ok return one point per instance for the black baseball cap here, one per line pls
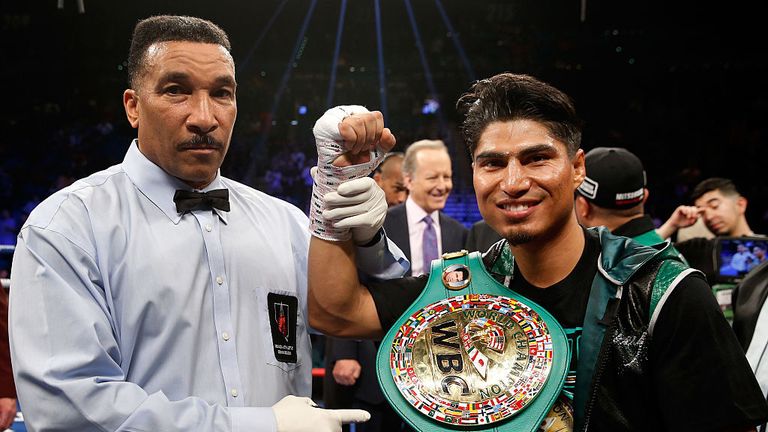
(615, 178)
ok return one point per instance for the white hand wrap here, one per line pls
(330, 146)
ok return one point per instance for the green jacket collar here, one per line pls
(621, 257)
(619, 260)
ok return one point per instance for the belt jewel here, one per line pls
(470, 354)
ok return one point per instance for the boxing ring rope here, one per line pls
(6, 249)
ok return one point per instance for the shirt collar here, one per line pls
(158, 186)
(635, 227)
(415, 213)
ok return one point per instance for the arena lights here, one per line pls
(456, 42)
(380, 58)
(336, 49)
(263, 33)
(251, 172)
(425, 66)
(80, 5)
(430, 106)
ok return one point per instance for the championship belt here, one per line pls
(471, 354)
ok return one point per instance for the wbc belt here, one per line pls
(471, 354)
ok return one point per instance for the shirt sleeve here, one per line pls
(700, 254)
(382, 260)
(701, 378)
(66, 352)
(340, 349)
(392, 297)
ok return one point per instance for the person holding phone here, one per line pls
(723, 209)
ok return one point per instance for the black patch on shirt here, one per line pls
(283, 310)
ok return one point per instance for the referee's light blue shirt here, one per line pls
(128, 316)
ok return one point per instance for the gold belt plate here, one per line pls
(471, 360)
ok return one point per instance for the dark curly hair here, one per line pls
(165, 28)
(506, 97)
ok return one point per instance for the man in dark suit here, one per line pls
(389, 176)
(481, 237)
(350, 382)
(419, 226)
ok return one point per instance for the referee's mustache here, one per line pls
(201, 142)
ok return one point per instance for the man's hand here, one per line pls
(300, 414)
(685, 216)
(363, 133)
(346, 371)
(7, 412)
(682, 217)
(351, 141)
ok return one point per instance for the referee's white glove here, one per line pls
(359, 205)
(300, 414)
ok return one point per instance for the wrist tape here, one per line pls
(329, 147)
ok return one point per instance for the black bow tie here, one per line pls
(190, 200)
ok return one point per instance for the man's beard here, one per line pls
(516, 239)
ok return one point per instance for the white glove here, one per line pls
(330, 146)
(359, 205)
(299, 414)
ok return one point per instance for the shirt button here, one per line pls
(219, 280)
(225, 336)
(233, 392)
(208, 228)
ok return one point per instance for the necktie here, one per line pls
(190, 200)
(429, 243)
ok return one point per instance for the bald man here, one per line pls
(389, 177)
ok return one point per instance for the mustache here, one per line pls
(201, 141)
